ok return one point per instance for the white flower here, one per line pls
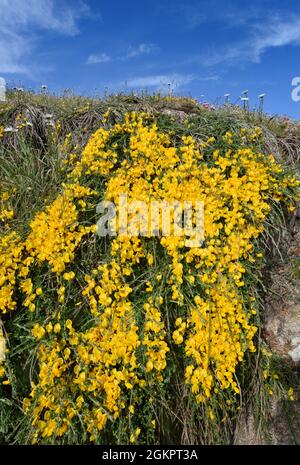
(10, 129)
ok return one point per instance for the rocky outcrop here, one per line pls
(180, 114)
(281, 331)
(281, 328)
(282, 428)
(247, 431)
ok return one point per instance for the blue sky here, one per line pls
(209, 47)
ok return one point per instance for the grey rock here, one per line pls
(282, 329)
(282, 428)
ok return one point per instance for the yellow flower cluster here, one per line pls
(11, 249)
(95, 159)
(215, 343)
(178, 334)
(236, 189)
(6, 212)
(154, 339)
(55, 232)
(103, 358)
(94, 374)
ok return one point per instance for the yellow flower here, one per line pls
(38, 331)
(135, 435)
(291, 393)
(131, 409)
(49, 328)
(57, 328)
(69, 276)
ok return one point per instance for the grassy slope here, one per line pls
(31, 167)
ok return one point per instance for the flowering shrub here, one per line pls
(111, 319)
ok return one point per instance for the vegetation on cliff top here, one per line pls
(136, 339)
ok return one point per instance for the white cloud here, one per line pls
(21, 20)
(162, 80)
(141, 49)
(277, 32)
(191, 15)
(98, 58)
(45, 14)
(132, 52)
(12, 50)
